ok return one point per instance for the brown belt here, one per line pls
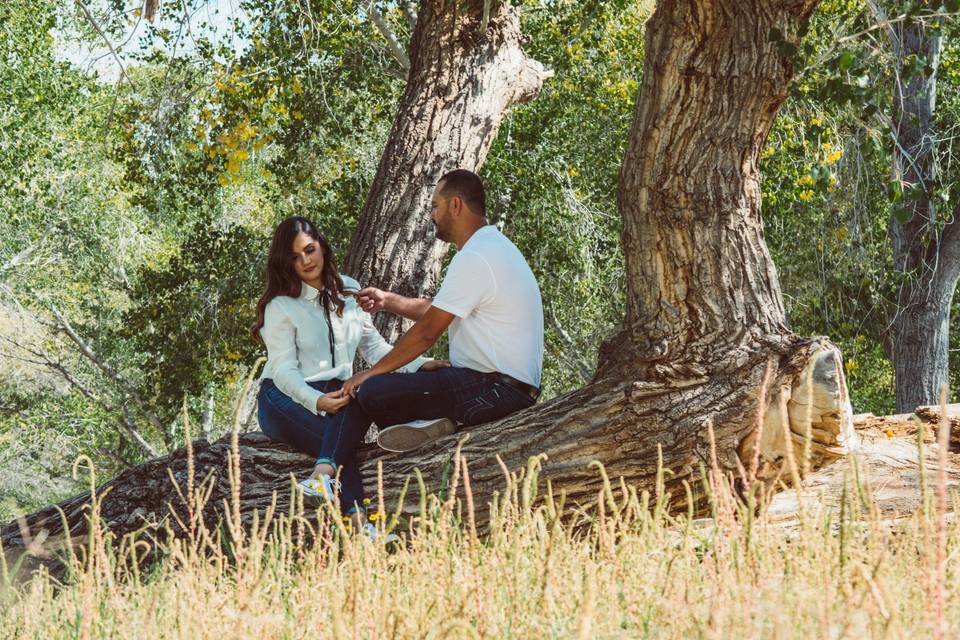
(528, 389)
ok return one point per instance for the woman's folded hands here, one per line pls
(332, 402)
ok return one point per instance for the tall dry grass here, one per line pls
(622, 567)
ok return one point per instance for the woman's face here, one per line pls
(307, 258)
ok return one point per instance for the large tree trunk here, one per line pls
(464, 76)
(925, 252)
(705, 345)
(705, 340)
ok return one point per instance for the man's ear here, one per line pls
(456, 205)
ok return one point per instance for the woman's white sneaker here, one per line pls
(316, 490)
(378, 537)
(408, 436)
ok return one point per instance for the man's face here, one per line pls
(441, 215)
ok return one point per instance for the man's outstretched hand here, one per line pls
(353, 383)
(349, 388)
(371, 299)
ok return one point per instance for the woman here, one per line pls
(312, 329)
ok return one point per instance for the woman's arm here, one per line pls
(280, 336)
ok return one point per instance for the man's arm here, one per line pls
(372, 300)
(420, 337)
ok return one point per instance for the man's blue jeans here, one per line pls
(332, 437)
(465, 395)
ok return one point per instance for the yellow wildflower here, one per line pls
(806, 195)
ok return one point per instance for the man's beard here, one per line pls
(440, 233)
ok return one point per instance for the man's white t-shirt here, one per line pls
(499, 323)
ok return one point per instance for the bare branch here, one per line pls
(582, 368)
(44, 359)
(486, 16)
(110, 372)
(410, 14)
(393, 45)
(113, 51)
(150, 9)
(20, 257)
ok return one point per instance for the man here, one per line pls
(491, 303)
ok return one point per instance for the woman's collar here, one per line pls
(308, 292)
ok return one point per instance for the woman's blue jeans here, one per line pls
(331, 437)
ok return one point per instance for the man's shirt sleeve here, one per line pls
(468, 284)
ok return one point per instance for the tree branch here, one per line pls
(113, 52)
(43, 359)
(393, 45)
(110, 372)
(410, 14)
(582, 368)
(20, 257)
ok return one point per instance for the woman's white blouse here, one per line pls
(298, 344)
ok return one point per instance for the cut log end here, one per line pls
(807, 419)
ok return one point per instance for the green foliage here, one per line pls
(189, 318)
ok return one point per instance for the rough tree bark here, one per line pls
(705, 344)
(926, 244)
(705, 339)
(464, 76)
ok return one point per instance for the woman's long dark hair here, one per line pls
(282, 280)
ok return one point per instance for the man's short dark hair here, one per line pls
(467, 186)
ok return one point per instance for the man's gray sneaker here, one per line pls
(408, 436)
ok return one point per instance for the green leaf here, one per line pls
(901, 214)
(846, 60)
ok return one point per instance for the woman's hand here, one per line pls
(333, 401)
(433, 365)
